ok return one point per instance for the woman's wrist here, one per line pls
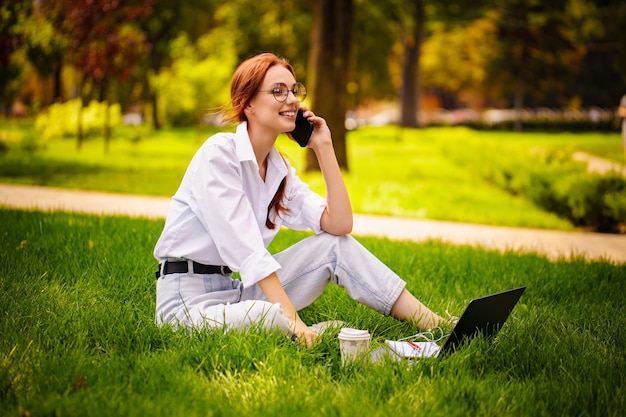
(322, 147)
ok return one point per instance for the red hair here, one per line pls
(245, 84)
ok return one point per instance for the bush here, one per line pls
(555, 182)
(565, 188)
(198, 81)
(61, 119)
(598, 202)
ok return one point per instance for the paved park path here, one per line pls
(599, 165)
(552, 244)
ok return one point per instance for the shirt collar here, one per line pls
(246, 153)
(244, 146)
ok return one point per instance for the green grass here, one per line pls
(77, 335)
(153, 166)
(399, 172)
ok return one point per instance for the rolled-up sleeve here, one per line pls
(220, 203)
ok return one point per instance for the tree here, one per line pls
(12, 16)
(412, 35)
(409, 23)
(375, 35)
(104, 41)
(329, 66)
(197, 81)
(45, 49)
(537, 50)
(455, 57)
(600, 79)
(168, 19)
(278, 26)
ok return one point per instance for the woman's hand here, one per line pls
(275, 293)
(321, 135)
(303, 333)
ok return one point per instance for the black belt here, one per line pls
(182, 267)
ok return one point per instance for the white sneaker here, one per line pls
(452, 319)
(322, 326)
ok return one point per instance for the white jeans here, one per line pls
(307, 268)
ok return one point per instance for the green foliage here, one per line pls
(12, 16)
(77, 300)
(283, 28)
(551, 179)
(565, 187)
(46, 47)
(536, 49)
(373, 73)
(12, 77)
(62, 119)
(470, 47)
(598, 202)
(197, 83)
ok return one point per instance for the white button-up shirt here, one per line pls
(217, 216)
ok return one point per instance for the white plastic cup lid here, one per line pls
(348, 333)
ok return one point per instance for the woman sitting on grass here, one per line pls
(236, 194)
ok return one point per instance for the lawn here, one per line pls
(432, 173)
(77, 304)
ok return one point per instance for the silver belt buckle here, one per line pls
(222, 271)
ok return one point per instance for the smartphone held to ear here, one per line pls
(303, 130)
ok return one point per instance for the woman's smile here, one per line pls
(288, 113)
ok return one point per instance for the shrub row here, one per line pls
(62, 119)
(555, 182)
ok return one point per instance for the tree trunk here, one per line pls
(155, 111)
(79, 126)
(57, 81)
(107, 126)
(107, 116)
(79, 117)
(329, 64)
(409, 93)
(154, 99)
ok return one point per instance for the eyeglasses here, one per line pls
(281, 91)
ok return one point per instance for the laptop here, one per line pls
(484, 315)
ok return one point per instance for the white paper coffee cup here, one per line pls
(353, 343)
